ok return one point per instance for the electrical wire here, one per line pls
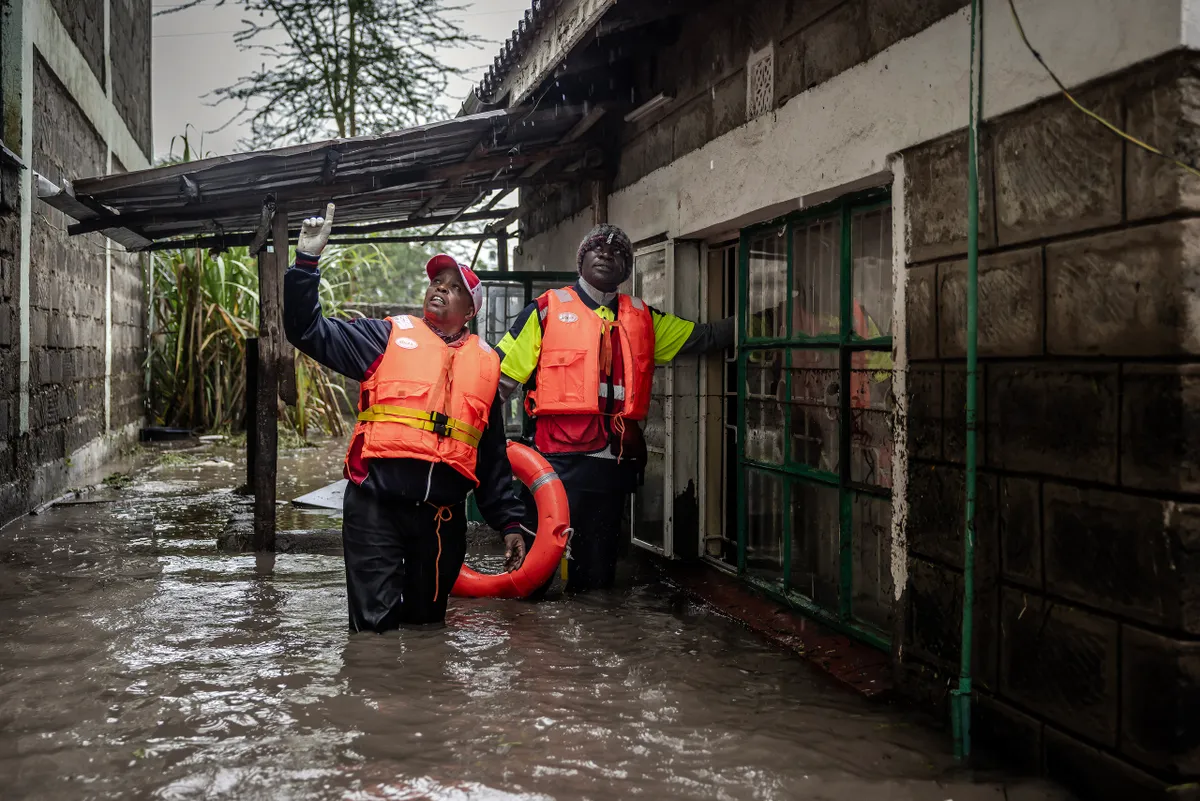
(1149, 148)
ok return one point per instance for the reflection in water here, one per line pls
(137, 662)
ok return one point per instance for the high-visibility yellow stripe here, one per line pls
(423, 421)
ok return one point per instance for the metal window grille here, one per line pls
(760, 82)
(815, 400)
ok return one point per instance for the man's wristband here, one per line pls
(306, 259)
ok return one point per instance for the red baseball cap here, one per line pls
(442, 262)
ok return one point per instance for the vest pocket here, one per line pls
(480, 410)
(563, 375)
(403, 392)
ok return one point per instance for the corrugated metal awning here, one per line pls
(420, 176)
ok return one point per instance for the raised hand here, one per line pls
(314, 233)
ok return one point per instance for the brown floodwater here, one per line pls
(136, 661)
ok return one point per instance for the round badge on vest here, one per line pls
(568, 317)
(406, 343)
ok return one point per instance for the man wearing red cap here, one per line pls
(429, 431)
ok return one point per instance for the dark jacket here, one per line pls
(355, 349)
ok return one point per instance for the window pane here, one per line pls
(767, 277)
(648, 502)
(654, 427)
(871, 252)
(764, 525)
(764, 406)
(502, 302)
(872, 561)
(814, 412)
(817, 271)
(816, 539)
(871, 404)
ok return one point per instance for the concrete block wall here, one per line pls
(704, 69)
(86, 307)
(67, 284)
(131, 67)
(1087, 625)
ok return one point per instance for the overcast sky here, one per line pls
(194, 53)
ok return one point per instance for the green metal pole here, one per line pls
(961, 702)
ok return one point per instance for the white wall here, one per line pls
(558, 250)
(844, 131)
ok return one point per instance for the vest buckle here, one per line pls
(441, 424)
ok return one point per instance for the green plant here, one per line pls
(206, 307)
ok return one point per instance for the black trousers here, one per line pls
(400, 563)
(596, 543)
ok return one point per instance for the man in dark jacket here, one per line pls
(404, 518)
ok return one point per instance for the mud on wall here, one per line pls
(1087, 626)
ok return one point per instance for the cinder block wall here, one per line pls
(1087, 649)
(85, 383)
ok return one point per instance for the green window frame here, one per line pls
(814, 479)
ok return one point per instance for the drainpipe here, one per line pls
(961, 697)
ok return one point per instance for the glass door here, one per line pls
(652, 282)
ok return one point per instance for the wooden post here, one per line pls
(266, 409)
(284, 355)
(599, 202)
(502, 251)
(250, 422)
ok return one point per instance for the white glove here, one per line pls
(314, 233)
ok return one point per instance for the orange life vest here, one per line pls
(427, 400)
(575, 339)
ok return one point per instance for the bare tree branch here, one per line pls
(345, 67)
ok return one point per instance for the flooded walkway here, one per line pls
(138, 662)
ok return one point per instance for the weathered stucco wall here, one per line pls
(1087, 621)
(843, 130)
(556, 252)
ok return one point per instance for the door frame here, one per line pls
(667, 549)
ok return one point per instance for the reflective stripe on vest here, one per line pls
(439, 424)
(568, 374)
(427, 400)
(618, 391)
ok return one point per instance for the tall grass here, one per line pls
(205, 306)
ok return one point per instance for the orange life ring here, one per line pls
(554, 529)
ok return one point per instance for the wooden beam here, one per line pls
(243, 206)
(400, 225)
(502, 251)
(285, 356)
(237, 240)
(263, 230)
(266, 408)
(582, 127)
(413, 239)
(429, 205)
(599, 202)
(250, 421)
